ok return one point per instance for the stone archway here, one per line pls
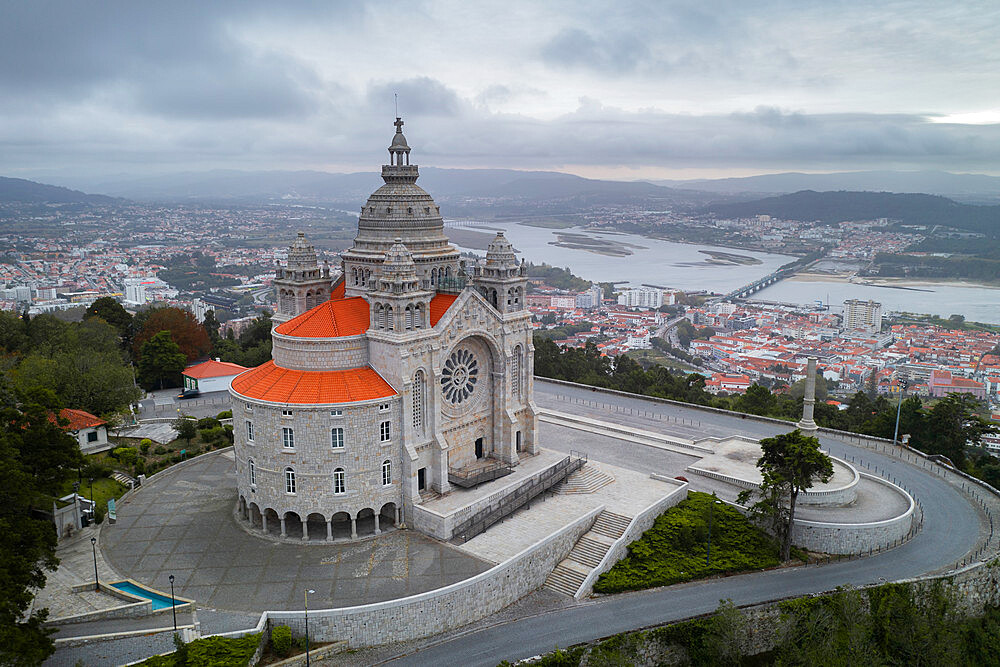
(315, 527)
(253, 515)
(271, 522)
(387, 516)
(292, 526)
(340, 525)
(366, 522)
(468, 386)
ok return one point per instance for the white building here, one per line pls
(864, 315)
(211, 375)
(641, 297)
(135, 291)
(591, 298)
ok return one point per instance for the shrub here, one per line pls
(145, 444)
(227, 431)
(208, 422)
(98, 515)
(281, 640)
(160, 449)
(225, 414)
(96, 470)
(140, 466)
(213, 434)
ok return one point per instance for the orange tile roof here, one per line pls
(79, 419)
(269, 382)
(440, 305)
(213, 369)
(338, 290)
(330, 319)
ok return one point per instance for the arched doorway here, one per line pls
(293, 525)
(271, 522)
(366, 522)
(315, 527)
(253, 515)
(340, 525)
(387, 516)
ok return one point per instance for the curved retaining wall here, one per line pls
(843, 495)
(445, 608)
(855, 538)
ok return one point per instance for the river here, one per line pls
(682, 266)
(687, 267)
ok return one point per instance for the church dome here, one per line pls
(400, 209)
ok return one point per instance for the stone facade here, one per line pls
(454, 346)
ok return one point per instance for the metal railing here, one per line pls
(467, 478)
(518, 498)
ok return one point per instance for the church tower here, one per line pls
(398, 301)
(301, 284)
(401, 211)
(500, 279)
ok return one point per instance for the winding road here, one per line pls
(952, 528)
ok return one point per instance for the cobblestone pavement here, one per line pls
(181, 522)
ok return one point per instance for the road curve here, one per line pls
(951, 530)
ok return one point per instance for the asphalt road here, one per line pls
(952, 527)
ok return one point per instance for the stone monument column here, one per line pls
(809, 400)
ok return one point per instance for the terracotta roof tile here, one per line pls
(330, 319)
(269, 382)
(213, 369)
(79, 419)
(440, 305)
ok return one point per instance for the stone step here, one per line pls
(587, 479)
(587, 555)
(611, 525)
(122, 478)
(565, 579)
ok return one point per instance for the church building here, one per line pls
(409, 373)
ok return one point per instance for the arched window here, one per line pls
(434, 276)
(379, 316)
(252, 472)
(386, 473)
(515, 372)
(289, 480)
(309, 300)
(354, 272)
(409, 317)
(419, 387)
(338, 481)
(418, 316)
(389, 323)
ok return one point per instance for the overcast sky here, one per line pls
(609, 89)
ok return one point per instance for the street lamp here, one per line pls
(899, 407)
(173, 602)
(711, 511)
(97, 581)
(308, 591)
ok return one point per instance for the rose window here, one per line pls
(459, 376)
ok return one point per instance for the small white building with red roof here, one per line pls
(89, 430)
(211, 375)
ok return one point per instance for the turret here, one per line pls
(500, 279)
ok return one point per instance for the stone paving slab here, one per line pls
(221, 566)
(157, 432)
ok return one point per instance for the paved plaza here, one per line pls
(181, 522)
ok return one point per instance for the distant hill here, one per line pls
(21, 190)
(964, 186)
(462, 189)
(914, 209)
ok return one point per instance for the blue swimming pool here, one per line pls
(159, 601)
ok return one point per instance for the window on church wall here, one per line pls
(389, 324)
(386, 473)
(249, 431)
(289, 481)
(287, 438)
(337, 437)
(409, 317)
(252, 472)
(384, 432)
(339, 484)
(515, 372)
(419, 390)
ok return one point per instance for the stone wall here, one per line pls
(320, 354)
(855, 538)
(314, 459)
(445, 608)
(639, 525)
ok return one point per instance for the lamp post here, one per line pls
(899, 407)
(308, 591)
(711, 511)
(173, 602)
(93, 546)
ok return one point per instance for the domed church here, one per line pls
(407, 374)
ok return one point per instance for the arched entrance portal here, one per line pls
(467, 383)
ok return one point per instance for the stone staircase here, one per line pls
(587, 553)
(123, 479)
(587, 479)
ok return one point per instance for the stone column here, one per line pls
(398, 520)
(305, 530)
(283, 527)
(377, 530)
(263, 523)
(807, 424)
(329, 530)
(354, 528)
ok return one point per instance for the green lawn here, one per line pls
(674, 549)
(105, 488)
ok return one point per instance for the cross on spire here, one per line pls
(399, 125)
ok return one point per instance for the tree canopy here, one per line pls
(190, 336)
(161, 362)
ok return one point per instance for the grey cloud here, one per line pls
(614, 54)
(420, 96)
